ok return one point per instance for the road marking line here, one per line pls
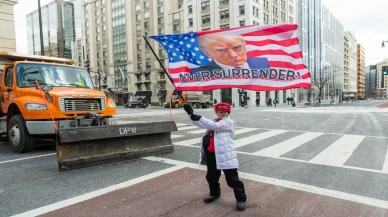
(288, 184)
(26, 158)
(338, 152)
(201, 131)
(255, 138)
(288, 145)
(93, 194)
(186, 128)
(176, 136)
(303, 161)
(197, 140)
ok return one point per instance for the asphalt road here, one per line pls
(295, 161)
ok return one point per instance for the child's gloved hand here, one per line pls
(195, 117)
(188, 109)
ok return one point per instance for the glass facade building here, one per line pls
(58, 29)
(370, 80)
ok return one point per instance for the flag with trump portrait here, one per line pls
(260, 58)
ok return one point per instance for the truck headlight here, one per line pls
(112, 105)
(32, 106)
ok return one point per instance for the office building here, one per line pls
(360, 72)
(382, 80)
(114, 42)
(58, 29)
(350, 78)
(370, 81)
(7, 33)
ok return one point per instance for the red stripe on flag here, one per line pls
(179, 70)
(273, 30)
(248, 87)
(256, 53)
(280, 64)
(285, 43)
(305, 76)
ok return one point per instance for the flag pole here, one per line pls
(164, 69)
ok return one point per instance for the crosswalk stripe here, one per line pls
(338, 152)
(201, 131)
(179, 124)
(197, 140)
(176, 136)
(251, 139)
(288, 145)
(385, 165)
(186, 128)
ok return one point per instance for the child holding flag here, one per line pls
(218, 153)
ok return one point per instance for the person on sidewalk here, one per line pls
(218, 153)
(275, 101)
(257, 101)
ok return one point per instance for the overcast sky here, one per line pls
(367, 19)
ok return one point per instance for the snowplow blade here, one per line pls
(90, 146)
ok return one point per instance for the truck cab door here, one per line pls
(8, 95)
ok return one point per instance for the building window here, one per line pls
(139, 57)
(177, 27)
(242, 22)
(148, 55)
(160, 20)
(138, 27)
(138, 38)
(224, 2)
(148, 65)
(146, 25)
(191, 22)
(205, 5)
(161, 52)
(242, 10)
(137, 7)
(206, 19)
(139, 66)
(190, 9)
(161, 31)
(176, 16)
(146, 5)
(137, 17)
(160, 10)
(146, 15)
(224, 26)
(138, 47)
(224, 15)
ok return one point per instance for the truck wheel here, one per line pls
(196, 105)
(176, 105)
(18, 135)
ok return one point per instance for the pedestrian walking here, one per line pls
(257, 101)
(275, 101)
(218, 153)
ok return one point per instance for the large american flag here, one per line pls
(278, 43)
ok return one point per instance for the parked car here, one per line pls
(141, 104)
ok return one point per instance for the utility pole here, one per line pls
(40, 30)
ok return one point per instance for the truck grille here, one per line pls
(75, 105)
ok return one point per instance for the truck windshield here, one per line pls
(59, 76)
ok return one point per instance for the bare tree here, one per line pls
(324, 78)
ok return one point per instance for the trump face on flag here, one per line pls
(260, 58)
(227, 52)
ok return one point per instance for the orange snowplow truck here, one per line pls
(69, 92)
(47, 97)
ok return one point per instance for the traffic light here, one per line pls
(385, 70)
(87, 65)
